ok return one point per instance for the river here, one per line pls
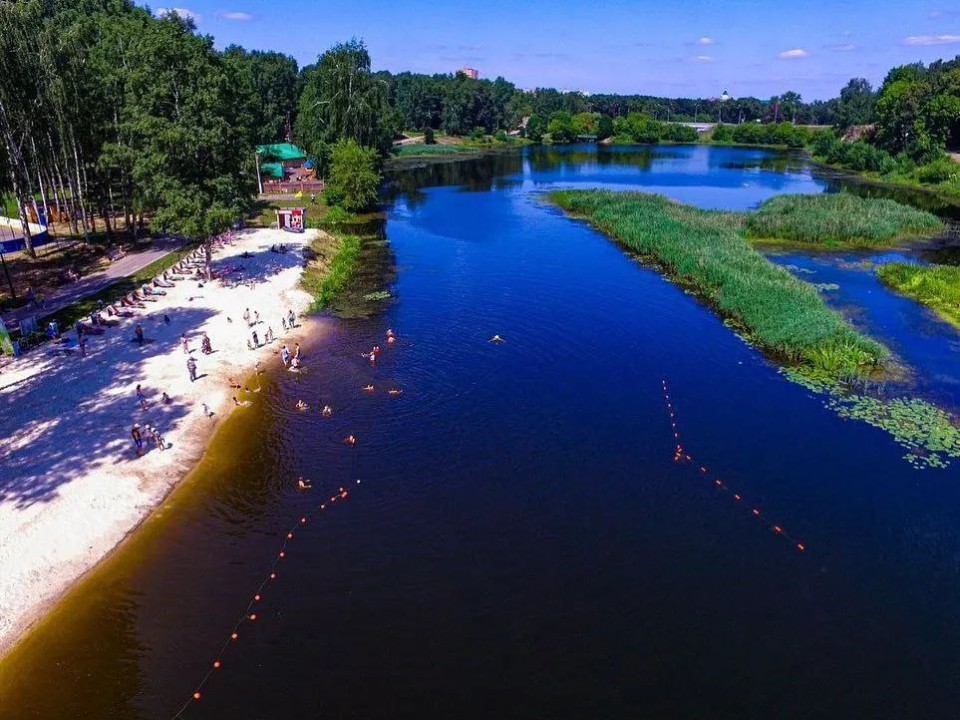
(522, 544)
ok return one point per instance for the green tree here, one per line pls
(902, 113)
(354, 178)
(536, 127)
(561, 128)
(722, 134)
(855, 106)
(341, 99)
(791, 104)
(604, 127)
(585, 123)
(271, 81)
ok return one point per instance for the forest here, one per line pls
(109, 113)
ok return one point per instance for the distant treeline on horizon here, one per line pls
(107, 110)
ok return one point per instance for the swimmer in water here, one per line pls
(497, 339)
(303, 484)
(350, 440)
(376, 350)
(368, 388)
(373, 357)
(394, 391)
(327, 411)
(389, 333)
(301, 405)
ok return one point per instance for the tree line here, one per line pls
(903, 128)
(109, 113)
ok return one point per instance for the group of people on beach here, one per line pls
(193, 266)
(149, 432)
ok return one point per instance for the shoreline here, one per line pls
(67, 504)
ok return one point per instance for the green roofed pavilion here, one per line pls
(281, 151)
(273, 170)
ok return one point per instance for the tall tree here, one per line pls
(271, 81)
(342, 99)
(855, 106)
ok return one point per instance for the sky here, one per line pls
(673, 48)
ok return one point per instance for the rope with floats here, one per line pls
(682, 455)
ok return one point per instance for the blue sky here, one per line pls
(690, 48)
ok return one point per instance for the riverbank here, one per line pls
(945, 192)
(936, 286)
(71, 485)
(707, 253)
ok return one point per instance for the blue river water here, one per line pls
(522, 544)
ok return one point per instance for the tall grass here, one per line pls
(324, 280)
(418, 149)
(707, 252)
(839, 219)
(936, 286)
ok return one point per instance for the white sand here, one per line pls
(71, 486)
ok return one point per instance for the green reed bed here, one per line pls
(419, 149)
(706, 252)
(335, 259)
(936, 286)
(839, 219)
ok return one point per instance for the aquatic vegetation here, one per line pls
(326, 275)
(926, 432)
(936, 286)
(705, 252)
(419, 149)
(839, 219)
(378, 295)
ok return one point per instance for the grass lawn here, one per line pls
(707, 253)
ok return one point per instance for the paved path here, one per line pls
(97, 281)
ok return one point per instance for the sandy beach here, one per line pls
(71, 484)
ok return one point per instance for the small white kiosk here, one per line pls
(291, 219)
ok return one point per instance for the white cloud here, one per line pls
(931, 40)
(794, 53)
(841, 47)
(235, 15)
(706, 41)
(703, 58)
(182, 12)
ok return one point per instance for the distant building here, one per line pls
(470, 72)
(284, 167)
(280, 161)
(724, 96)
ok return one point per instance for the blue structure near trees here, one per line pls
(11, 235)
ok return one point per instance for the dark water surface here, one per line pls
(522, 545)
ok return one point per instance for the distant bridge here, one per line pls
(699, 127)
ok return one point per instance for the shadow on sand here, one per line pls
(81, 410)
